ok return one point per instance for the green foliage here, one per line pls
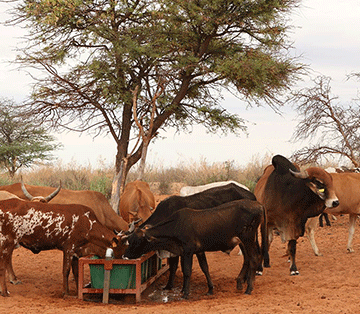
(96, 53)
(22, 142)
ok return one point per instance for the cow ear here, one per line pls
(149, 238)
(114, 242)
(299, 174)
(318, 192)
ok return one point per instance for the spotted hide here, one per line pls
(95, 200)
(39, 226)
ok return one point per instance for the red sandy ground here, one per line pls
(326, 284)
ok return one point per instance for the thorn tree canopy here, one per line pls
(95, 54)
(22, 141)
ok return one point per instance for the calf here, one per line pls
(188, 232)
(206, 199)
(41, 226)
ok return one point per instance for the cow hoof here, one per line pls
(16, 282)
(259, 273)
(294, 273)
(210, 292)
(350, 250)
(167, 287)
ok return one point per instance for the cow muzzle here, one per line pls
(331, 203)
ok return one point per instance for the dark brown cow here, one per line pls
(188, 231)
(136, 202)
(95, 200)
(37, 227)
(291, 197)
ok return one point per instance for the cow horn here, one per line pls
(131, 227)
(53, 194)
(25, 191)
(137, 221)
(301, 174)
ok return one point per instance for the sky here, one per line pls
(325, 37)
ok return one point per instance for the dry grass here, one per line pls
(163, 180)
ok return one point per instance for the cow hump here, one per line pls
(282, 164)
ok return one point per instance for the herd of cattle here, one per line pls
(214, 217)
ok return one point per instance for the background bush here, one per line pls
(162, 180)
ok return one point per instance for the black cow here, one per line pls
(203, 200)
(189, 231)
(290, 197)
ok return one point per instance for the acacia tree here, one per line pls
(333, 129)
(95, 53)
(22, 141)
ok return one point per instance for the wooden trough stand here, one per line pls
(126, 276)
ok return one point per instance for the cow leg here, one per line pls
(241, 278)
(266, 239)
(75, 270)
(4, 291)
(292, 252)
(352, 221)
(173, 265)
(310, 233)
(186, 264)
(6, 250)
(12, 277)
(265, 252)
(205, 269)
(327, 220)
(67, 257)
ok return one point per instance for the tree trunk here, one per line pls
(118, 184)
(143, 160)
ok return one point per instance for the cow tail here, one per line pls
(265, 240)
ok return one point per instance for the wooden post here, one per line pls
(107, 269)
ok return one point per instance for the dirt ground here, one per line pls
(326, 284)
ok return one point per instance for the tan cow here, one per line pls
(95, 200)
(137, 201)
(42, 226)
(346, 186)
(5, 195)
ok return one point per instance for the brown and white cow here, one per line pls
(5, 195)
(346, 187)
(290, 197)
(38, 226)
(95, 200)
(137, 201)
